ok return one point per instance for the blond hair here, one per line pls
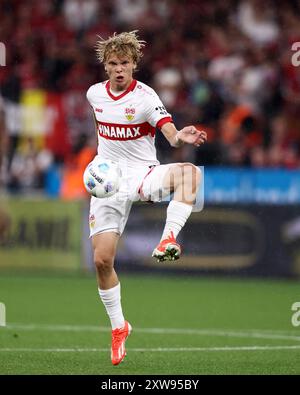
(124, 44)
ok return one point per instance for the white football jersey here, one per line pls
(126, 123)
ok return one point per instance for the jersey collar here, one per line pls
(129, 89)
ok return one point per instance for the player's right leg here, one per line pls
(104, 246)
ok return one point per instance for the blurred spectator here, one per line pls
(258, 157)
(72, 185)
(257, 20)
(130, 11)
(81, 14)
(167, 82)
(29, 166)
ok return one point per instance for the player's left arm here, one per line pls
(188, 134)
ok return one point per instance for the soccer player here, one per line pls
(127, 113)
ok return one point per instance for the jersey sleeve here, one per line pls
(156, 113)
(89, 95)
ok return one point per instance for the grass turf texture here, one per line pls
(57, 325)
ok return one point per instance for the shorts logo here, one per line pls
(129, 113)
(92, 221)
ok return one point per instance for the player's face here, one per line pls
(119, 70)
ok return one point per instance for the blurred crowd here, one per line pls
(224, 65)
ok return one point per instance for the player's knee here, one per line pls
(197, 175)
(191, 175)
(184, 174)
(103, 262)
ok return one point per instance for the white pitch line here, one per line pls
(95, 328)
(256, 334)
(159, 349)
(58, 328)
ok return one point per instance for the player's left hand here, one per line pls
(191, 135)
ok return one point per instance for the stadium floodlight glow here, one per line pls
(2, 54)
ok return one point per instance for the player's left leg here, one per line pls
(183, 179)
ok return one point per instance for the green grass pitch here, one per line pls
(181, 325)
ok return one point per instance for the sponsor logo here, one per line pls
(125, 133)
(98, 110)
(129, 113)
(113, 131)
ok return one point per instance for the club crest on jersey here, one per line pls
(129, 113)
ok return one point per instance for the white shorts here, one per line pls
(141, 183)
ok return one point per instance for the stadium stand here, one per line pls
(225, 65)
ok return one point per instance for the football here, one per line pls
(102, 177)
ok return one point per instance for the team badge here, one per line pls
(129, 113)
